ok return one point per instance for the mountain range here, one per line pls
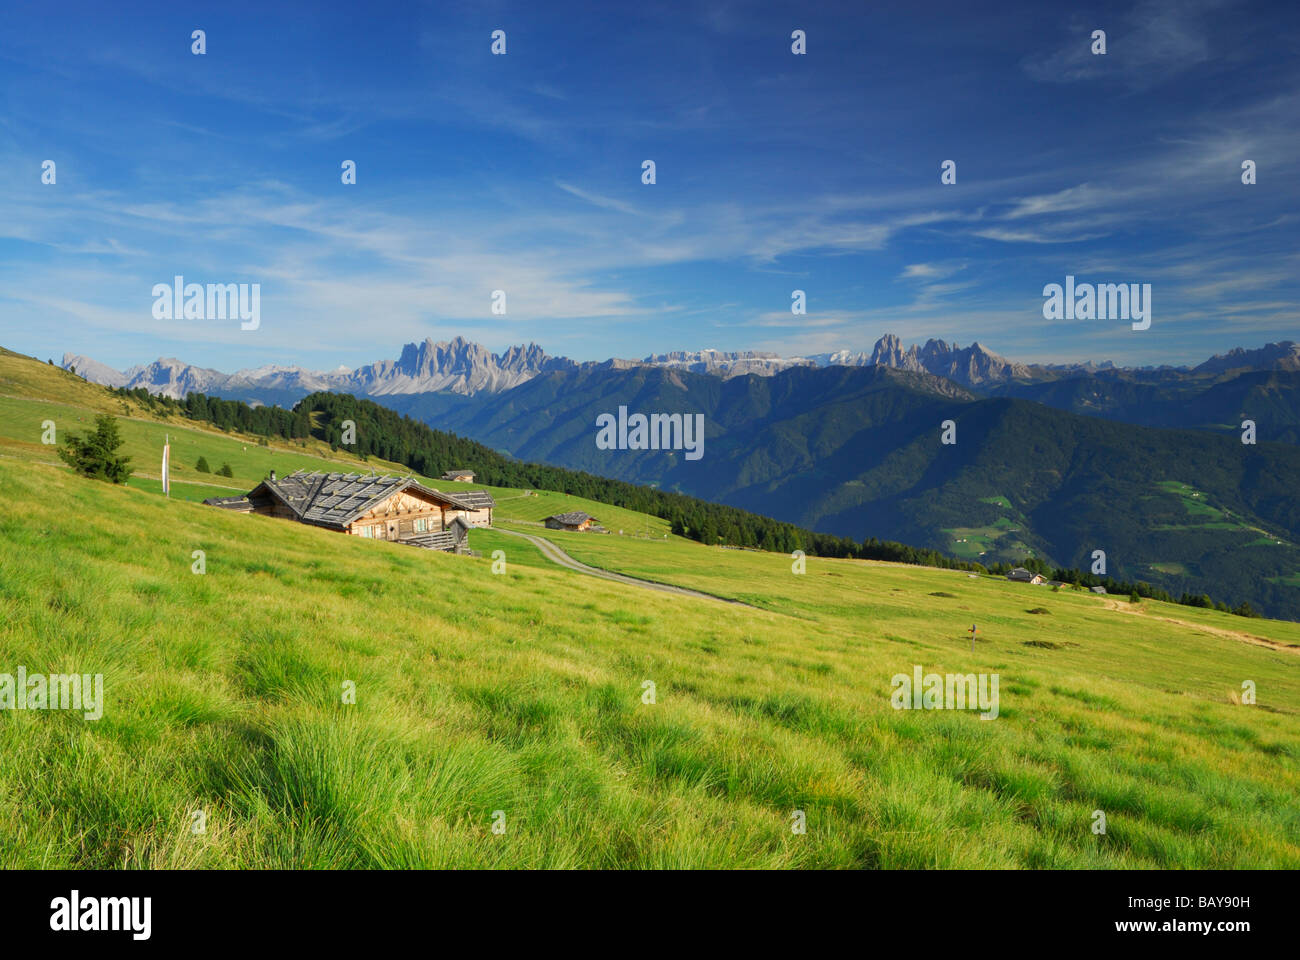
(858, 451)
(457, 367)
(464, 368)
(1050, 461)
(455, 381)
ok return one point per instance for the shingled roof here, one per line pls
(577, 518)
(473, 499)
(241, 504)
(333, 500)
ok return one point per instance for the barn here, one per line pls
(1021, 575)
(376, 508)
(577, 520)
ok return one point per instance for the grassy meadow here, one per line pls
(25, 387)
(33, 393)
(519, 694)
(538, 504)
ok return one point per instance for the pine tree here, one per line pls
(202, 465)
(95, 454)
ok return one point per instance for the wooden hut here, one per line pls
(377, 508)
(576, 521)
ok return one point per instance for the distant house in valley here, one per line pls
(569, 521)
(1021, 575)
(459, 476)
(1098, 589)
(377, 508)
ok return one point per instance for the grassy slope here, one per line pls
(543, 503)
(32, 393)
(25, 387)
(521, 692)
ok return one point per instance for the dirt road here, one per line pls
(1125, 607)
(553, 553)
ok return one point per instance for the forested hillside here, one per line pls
(856, 452)
(382, 433)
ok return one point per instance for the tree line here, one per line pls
(1137, 590)
(377, 431)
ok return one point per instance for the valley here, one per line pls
(1084, 458)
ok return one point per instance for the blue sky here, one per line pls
(522, 172)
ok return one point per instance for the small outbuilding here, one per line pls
(1021, 575)
(575, 521)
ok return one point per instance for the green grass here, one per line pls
(515, 549)
(24, 409)
(521, 692)
(25, 376)
(996, 541)
(1200, 512)
(26, 389)
(21, 420)
(991, 542)
(543, 503)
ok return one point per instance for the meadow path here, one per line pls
(553, 553)
(1126, 607)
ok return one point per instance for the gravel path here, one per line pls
(553, 553)
(1125, 607)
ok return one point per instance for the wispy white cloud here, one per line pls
(1154, 42)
